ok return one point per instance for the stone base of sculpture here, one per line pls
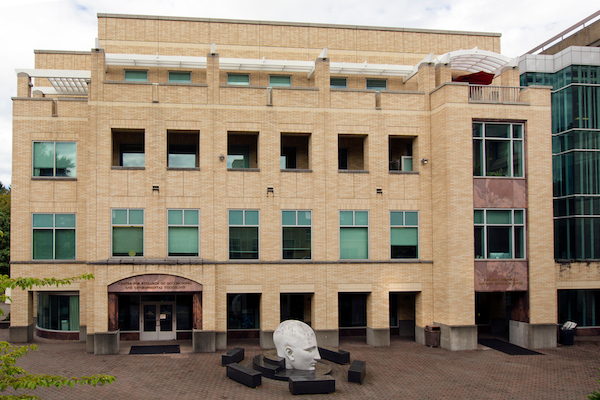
(273, 367)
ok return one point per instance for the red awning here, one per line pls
(478, 78)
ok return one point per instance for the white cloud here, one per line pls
(26, 25)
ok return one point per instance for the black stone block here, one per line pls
(244, 375)
(234, 355)
(338, 357)
(269, 370)
(274, 360)
(311, 385)
(357, 371)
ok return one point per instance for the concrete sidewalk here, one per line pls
(405, 370)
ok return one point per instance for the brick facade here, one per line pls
(427, 109)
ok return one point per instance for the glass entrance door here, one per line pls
(158, 322)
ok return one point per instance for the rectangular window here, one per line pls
(351, 152)
(127, 233)
(342, 158)
(376, 84)
(352, 308)
(400, 153)
(183, 149)
(579, 306)
(128, 148)
(180, 77)
(243, 311)
(243, 234)
(497, 149)
(338, 83)
(184, 227)
(404, 235)
(354, 235)
(53, 236)
(58, 311)
(55, 159)
(295, 151)
(280, 80)
(499, 234)
(136, 76)
(129, 312)
(238, 79)
(296, 234)
(287, 159)
(242, 150)
(295, 306)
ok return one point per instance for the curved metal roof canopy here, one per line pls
(474, 60)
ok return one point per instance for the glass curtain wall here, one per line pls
(576, 158)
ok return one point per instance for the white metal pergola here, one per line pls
(75, 81)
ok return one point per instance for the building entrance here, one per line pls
(155, 307)
(402, 314)
(158, 321)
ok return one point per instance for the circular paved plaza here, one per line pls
(405, 370)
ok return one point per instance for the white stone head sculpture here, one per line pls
(296, 342)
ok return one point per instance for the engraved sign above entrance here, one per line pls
(154, 283)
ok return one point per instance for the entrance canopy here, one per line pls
(154, 283)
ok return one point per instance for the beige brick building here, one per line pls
(219, 176)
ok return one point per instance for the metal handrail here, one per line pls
(494, 94)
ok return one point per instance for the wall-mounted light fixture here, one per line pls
(424, 160)
(270, 190)
(221, 157)
(155, 188)
(379, 191)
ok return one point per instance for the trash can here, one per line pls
(432, 336)
(566, 333)
(566, 337)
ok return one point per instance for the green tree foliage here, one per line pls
(4, 229)
(17, 378)
(595, 395)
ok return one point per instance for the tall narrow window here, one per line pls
(243, 234)
(183, 233)
(404, 235)
(343, 158)
(354, 235)
(401, 153)
(296, 235)
(55, 159)
(497, 149)
(127, 233)
(499, 234)
(53, 236)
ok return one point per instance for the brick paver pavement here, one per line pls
(405, 370)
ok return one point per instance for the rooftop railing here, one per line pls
(494, 94)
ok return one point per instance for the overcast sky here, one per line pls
(26, 25)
